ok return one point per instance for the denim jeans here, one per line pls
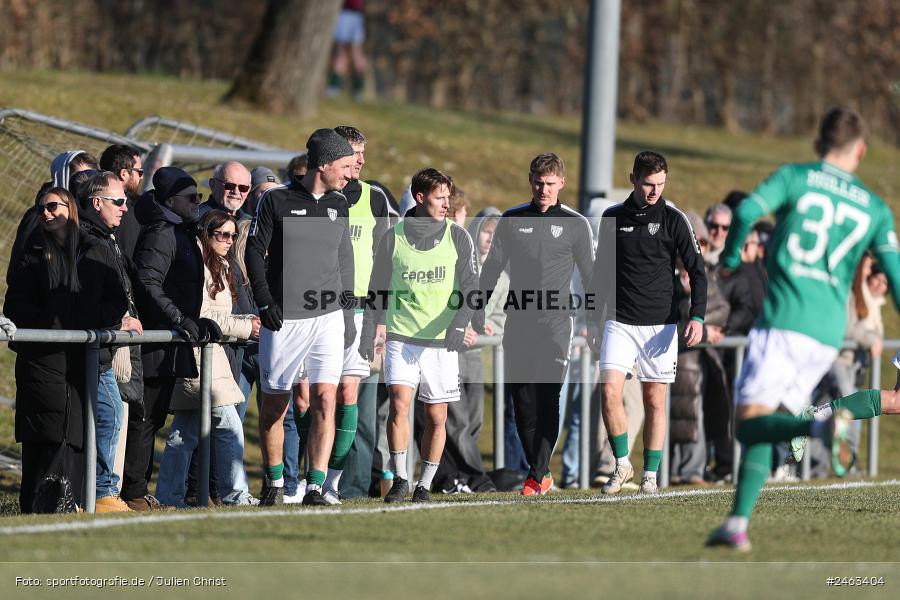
(291, 450)
(570, 398)
(110, 417)
(227, 442)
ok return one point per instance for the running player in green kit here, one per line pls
(825, 219)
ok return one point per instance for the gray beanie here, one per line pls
(261, 175)
(325, 146)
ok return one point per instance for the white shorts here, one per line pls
(351, 27)
(316, 344)
(653, 347)
(435, 371)
(782, 368)
(354, 364)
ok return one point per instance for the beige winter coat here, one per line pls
(225, 390)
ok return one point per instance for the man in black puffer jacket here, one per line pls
(170, 268)
(102, 206)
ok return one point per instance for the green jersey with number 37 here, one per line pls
(825, 220)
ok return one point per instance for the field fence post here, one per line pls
(584, 434)
(499, 399)
(873, 423)
(206, 355)
(735, 444)
(663, 473)
(91, 386)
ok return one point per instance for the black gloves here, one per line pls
(189, 328)
(210, 331)
(200, 330)
(349, 329)
(270, 317)
(367, 341)
(453, 339)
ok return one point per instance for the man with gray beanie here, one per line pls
(300, 261)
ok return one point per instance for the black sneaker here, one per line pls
(398, 491)
(421, 494)
(313, 497)
(274, 496)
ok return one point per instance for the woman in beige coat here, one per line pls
(217, 234)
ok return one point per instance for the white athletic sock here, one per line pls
(623, 462)
(398, 464)
(276, 483)
(333, 479)
(650, 475)
(426, 475)
(735, 524)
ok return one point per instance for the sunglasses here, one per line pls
(140, 172)
(716, 226)
(116, 201)
(224, 236)
(195, 198)
(51, 207)
(231, 186)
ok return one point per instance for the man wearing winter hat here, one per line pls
(300, 261)
(170, 267)
(262, 179)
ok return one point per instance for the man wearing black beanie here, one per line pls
(300, 263)
(170, 268)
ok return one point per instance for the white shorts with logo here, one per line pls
(354, 364)
(316, 344)
(435, 371)
(653, 347)
(782, 368)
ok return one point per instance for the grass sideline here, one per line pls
(584, 539)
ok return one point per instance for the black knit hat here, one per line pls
(325, 146)
(169, 181)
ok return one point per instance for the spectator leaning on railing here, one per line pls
(170, 267)
(218, 231)
(102, 204)
(50, 288)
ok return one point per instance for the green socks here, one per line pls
(314, 477)
(344, 434)
(619, 445)
(777, 427)
(652, 458)
(275, 472)
(864, 404)
(755, 467)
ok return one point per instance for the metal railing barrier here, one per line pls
(93, 341)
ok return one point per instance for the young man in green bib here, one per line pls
(422, 283)
(825, 219)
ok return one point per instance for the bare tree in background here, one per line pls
(287, 64)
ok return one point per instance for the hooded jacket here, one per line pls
(170, 268)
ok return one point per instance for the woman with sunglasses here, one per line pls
(42, 293)
(218, 231)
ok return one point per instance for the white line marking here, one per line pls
(158, 518)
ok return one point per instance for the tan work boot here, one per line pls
(111, 504)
